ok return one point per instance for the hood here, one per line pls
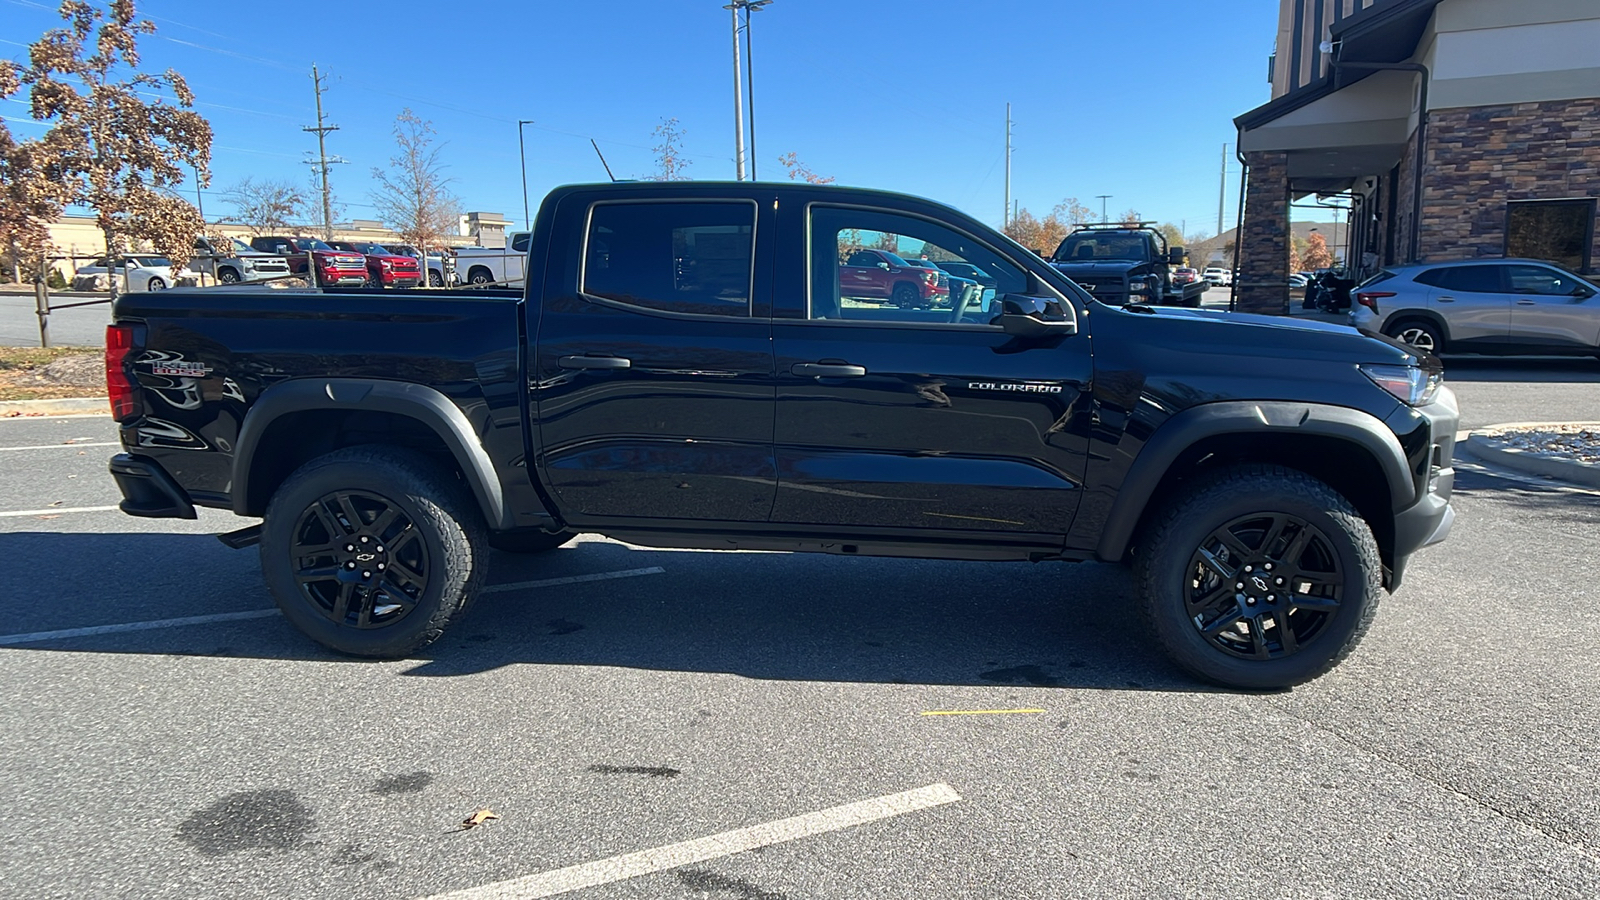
(1288, 337)
(1076, 269)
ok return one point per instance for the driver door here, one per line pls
(921, 420)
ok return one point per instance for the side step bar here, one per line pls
(244, 537)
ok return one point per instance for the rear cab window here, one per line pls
(684, 257)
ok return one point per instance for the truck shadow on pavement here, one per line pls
(757, 615)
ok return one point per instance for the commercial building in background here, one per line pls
(78, 240)
(1457, 129)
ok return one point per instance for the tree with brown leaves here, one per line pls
(415, 201)
(670, 161)
(29, 200)
(1026, 229)
(109, 146)
(1317, 255)
(799, 171)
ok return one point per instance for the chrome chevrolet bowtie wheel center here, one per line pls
(1264, 586)
(359, 558)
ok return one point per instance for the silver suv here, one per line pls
(1482, 306)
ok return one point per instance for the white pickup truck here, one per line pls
(485, 265)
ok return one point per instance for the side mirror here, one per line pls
(883, 265)
(1026, 316)
(1582, 292)
(1175, 256)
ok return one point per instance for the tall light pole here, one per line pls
(749, 71)
(738, 98)
(1008, 215)
(1103, 198)
(523, 153)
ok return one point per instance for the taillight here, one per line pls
(1370, 299)
(121, 342)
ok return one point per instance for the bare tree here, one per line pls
(670, 161)
(1131, 217)
(799, 171)
(267, 205)
(108, 146)
(1071, 212)
(415, 201)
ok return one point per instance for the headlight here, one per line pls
(387, 264)
(1409, 384)
(1138, 285)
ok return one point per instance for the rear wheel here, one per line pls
(479, 275)
(1419, 333)
(373, 551)
(156, 284)
(1259, 577)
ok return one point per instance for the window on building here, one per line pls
(1558, 231)
(681, 257)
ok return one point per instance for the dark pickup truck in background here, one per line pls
(1125, 263)
(688, 367)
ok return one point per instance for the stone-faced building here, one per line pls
(1501, 96)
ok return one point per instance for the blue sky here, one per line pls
(1129, 99)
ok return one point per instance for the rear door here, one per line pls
(1552, 309)
(919, 421)
(652, 371)
(1474, 303)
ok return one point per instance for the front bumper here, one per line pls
(1427, 521)
(147, 490)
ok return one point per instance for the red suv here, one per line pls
(384, 267)
(881, 275)
(333, 266)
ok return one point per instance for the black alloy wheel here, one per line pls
(359, 560)
(373, 550)
(227, 275)
(1263, 586)
(906, 295)
(1258, 577)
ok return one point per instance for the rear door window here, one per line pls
(678, 257)
(1471, 279)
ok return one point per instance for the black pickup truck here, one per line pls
(685, 368)
(1125, 263)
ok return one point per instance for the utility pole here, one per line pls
(738, 98)
(1009, 215)
(321, 131)
(751, 6)
(1222, 191)
(1103, 198)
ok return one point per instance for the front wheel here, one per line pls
(435, 279)
(372, 551)
(227, 275)
(1259, 577)
(906, 295)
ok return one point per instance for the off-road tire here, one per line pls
(1164, 555)
(529, 542)
(440, 509)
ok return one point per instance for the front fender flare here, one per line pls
(1195, 424)
(415, 401)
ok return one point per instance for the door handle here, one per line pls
(828, 370)
(1527, 302)
(1447, 299)
(595, 362)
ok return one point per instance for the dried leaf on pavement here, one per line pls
(478, 818)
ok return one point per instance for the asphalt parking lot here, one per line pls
(616, 706)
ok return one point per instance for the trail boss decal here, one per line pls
(180, 369)
(1014, 386)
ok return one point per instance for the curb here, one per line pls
(67, 406)
(1483, 444)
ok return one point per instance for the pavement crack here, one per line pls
(1367, 749)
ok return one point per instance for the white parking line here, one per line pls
(727, 843)
(37, 636)
(61, 446)
(572, 579)
(55, 511)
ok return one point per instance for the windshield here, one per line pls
(312, 244)
(921, 264)
(241, 247)
(1101, 247)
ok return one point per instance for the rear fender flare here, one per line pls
(1193, 425)
(415, 401)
